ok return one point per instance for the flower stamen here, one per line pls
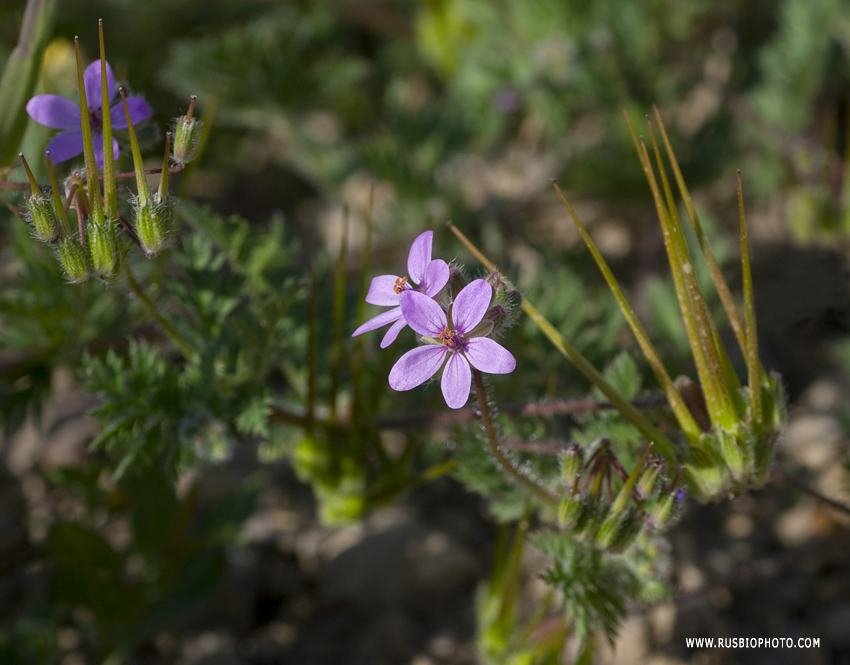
(400, 284)
(447, 338)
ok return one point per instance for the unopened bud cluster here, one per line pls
(591, 509)
(95, 252)
(732, 459)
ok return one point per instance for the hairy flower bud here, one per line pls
(570, 509)
(571, 463)
(608, 529)
(73, 259)
(650, 476)
(101, 239)
(628, 531)
(154, 224)
(619, 530)
(43, 218)
(187, 136)
(662, 512)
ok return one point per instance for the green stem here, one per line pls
(754, 370)
(680, 409)
(496, 448)
(169, 329)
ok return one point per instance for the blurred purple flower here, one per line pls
(506, 100)
(458, 348)
(60, 113)
(430, 276)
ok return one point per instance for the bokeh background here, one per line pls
(464, 110)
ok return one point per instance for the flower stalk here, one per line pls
(496, 449)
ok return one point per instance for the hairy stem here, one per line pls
(493, 441)
(169, 329)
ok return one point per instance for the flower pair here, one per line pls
(455, 341)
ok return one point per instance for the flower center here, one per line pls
(96, 118)
(449, 338)
(400, 285)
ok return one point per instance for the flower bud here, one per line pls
(629, 530)
(101, 239)
(187, 136)
(73, 259)
(649, 476)
(662, 511)
(153, 224)
(588, 518)
(571, 463)
(608, 529)
(570, 509)
(618, 531)
(43, 218)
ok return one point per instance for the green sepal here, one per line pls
(628, 532)
(571, 463)
(649, 477)
(72, 257)
(608, 529)
(662, 512)
(187, 136)
(102, 247)
(570, 509)
(43, 217)
(154, 223)
(707, 470)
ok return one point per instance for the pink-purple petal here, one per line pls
(139, 110)
(92, 80)
(417, 366)
(54, 111)
(421, 313)
(488, 356)
(393, 332)
(457, 378)
(382, 291)
(66, 145)
(390, 316)
(420, 256)
(471, 305)
(436, 277)
(97, 140)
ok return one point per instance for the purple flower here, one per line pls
(430, 276)
(454, 349)
(60, 113)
